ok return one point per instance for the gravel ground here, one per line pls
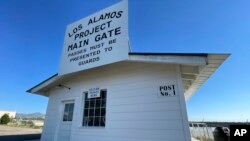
(7, 130)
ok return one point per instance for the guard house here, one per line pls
(138, 99)
(104, 92)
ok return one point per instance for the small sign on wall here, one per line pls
(94, 92)
(167, 90)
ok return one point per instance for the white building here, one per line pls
(12, 114)
(141, 98)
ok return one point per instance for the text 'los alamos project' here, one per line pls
(84, 34)
(97, 40)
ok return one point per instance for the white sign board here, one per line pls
(94, 92)
(99, 39)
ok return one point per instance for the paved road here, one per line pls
(8, 133)
(20, 137)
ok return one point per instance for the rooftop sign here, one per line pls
(99, 39)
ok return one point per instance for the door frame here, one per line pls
(60, 121)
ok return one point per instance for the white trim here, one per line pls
(172, 59)
(213, 63)
(182, 104)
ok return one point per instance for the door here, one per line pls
(66, 121)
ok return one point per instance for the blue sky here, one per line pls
(32, 34)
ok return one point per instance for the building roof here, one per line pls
(170, 54)
(195, 69)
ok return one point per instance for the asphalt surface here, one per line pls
(20, 137)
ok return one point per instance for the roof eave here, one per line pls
(169, 58)
(214, 61)
(38, 89)
(207, 61)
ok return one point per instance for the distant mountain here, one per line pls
(31, 115)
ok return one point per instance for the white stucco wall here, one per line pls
(134, 112)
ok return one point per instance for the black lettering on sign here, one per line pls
(112, 41)
(97, 46)
(167, 90)
(108, 49)
(88, 61)
(87, 32)
(108, 15)
(108, 34)
(78, 45)
(79, 27)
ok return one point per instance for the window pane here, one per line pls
(86, 104)
(103, 103)
(96, 121)
(65, 116)
(86, 96)
(66, 109)
(85, 121)
(102, 121)
(71, 107)
(90, 122)
(97, 103)
(103, 112)
(103, 94)
(68, 112)
(86, 112)
(91, 112)
(92, 103)
(70, 117)
(97, 112)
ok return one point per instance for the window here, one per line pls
(95, 110)
(68, 112)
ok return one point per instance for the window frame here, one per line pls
(85, 95)
(63, 112)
